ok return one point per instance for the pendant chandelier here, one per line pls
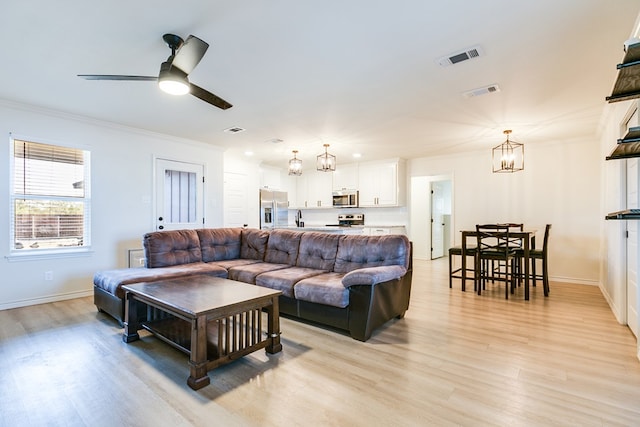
(508, 157)
(295, 165)
(326, 162)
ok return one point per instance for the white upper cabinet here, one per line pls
(313, 191)
(345, 177)
(382, 183)
(270, 178)
(319, 191)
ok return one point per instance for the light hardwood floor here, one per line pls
(455, 359)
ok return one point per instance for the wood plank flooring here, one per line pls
(455, 359)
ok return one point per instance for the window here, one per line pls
(50, 197)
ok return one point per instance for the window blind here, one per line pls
(50, 206)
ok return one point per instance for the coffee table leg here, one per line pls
(198, 377)
(131, 323)
(273, 328)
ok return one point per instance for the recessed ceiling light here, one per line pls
(357, 155)
(248, 153)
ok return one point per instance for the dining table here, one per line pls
(527, 237)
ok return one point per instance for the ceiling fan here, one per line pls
(185, 55)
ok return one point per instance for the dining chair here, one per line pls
(541, 254)
(493, 248)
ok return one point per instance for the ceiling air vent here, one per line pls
(234, 129)
(481, 91)
(461, 56)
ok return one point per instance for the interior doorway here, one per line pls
(440, 218)
(431, 216)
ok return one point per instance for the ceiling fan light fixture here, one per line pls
(174, 87)
(173, 81)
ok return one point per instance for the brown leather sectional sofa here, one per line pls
(353, 283)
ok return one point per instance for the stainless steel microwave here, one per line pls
(345, 199)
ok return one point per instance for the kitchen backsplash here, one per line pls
(372, 216)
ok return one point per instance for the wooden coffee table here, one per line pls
(213, 320)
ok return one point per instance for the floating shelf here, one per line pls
(628, 147)
(627, 84)
(625, 214)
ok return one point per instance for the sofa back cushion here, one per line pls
(253, 243)
(318, 250)
(167, 248)
(283, 246)
(371, 251)
(220, 244)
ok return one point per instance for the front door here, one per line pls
(179, 195)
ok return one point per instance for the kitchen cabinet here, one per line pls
(291, 187)
(382, 184)
(270, 178)
(345, 177)
(313, 191)
(384, 231)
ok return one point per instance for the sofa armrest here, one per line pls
(373, 275)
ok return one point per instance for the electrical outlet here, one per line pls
(48, 275)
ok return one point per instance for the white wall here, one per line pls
(560, 186)
(122, 185)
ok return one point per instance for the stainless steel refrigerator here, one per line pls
(274, 209)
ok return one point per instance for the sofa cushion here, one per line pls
(230, 263)
(174, 247)
(219, 244)
(284, 280)
(253, 243)
(318, 250)
(371, 251)
(112, 280)
(247, 273)
(324, 289)
(282, 247)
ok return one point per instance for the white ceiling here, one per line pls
(360, 75)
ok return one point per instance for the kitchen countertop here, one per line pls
(321, 228)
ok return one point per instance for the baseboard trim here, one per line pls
(574, 280)
(44, 300)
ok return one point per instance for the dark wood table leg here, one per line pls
(131, 322)
(198, 377)
(526, 268)
(273, 328)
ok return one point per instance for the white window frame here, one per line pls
(58, 252)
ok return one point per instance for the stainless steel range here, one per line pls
(349, 220)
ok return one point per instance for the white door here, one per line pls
(236, 200)
(179, 195)
(437, 222)
(632, 246)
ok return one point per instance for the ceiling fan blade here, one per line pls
(117, 77)
(207, 96)
(190, 54)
